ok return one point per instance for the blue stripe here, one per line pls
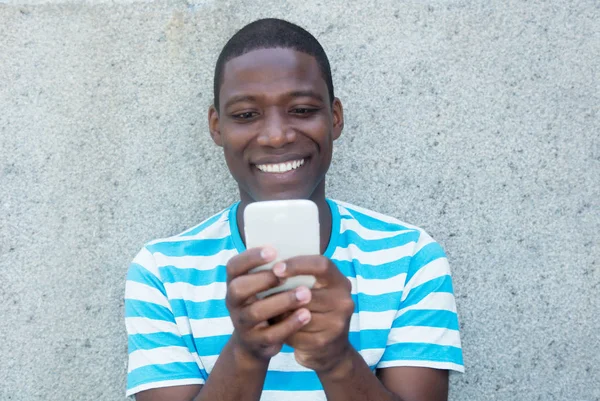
(380, 272)
(427, 254)
(156, 340)
(422, 352)
(203, 225)
(135, 308)
(376, 303)
(211, 345)
(140, 274)
(216, 308)
(416, 294)
(199, 310)
(371, 245)
(429, 318)
(373, 223)
(198, 247)
(292, 381)
(365, 339)
(172, 274)
(168, 371)
(368, 339)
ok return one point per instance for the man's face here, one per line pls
(276, 124)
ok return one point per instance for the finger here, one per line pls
(277, 333)
(320, 331)
(318, 322)
(273, 306)
(242, 288)
(326, 300)
(323, 269)
(246, 261)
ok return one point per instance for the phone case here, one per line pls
(291, 227)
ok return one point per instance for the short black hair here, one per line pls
(270, 33)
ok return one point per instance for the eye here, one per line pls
(304, 111)
(247, 115)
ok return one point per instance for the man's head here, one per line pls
(271, 33)
(276, 118)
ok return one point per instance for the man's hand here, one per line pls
(322, 343)
(253, 334)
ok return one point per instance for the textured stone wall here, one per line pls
(477, 120)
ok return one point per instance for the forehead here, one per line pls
(271, 72)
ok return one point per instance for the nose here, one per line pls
(275, 131)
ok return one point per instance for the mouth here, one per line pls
(279, 168)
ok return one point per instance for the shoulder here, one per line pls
(208, 238)
(214, 228)
(376, 238)
(365, 220)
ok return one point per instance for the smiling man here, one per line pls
(380, 322)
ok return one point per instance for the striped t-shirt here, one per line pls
(177, 321)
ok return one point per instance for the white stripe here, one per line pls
(274, 395)
(372, 320)
(372, 258)
(196, 293)
(423, 364)
(432, 270)
(142, 292)
(423, 334)
(375, 215)
(196, 262)
(434, 301)
(202, 328)
(367, 233)
(286, 362)
(161, 384)
(377, 286)
(145, 259)
(424, 240)
(143, 325)
(218, 326)
(159, 356)
(224, 214)
(216, 230)
(372, 355)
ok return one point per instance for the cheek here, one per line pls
(319, 130)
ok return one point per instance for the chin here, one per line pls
(283, 195)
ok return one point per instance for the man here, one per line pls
(380, 322)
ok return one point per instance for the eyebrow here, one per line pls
(238, 99)
(293, 94)
(307, 93)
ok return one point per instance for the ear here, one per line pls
(213, 125)
(338, 118)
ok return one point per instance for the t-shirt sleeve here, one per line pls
(425, 330)
(159, 356)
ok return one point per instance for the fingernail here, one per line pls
(303, 294)
(279, 269)
(267, 253)
(304, 316)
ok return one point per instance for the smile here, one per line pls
(280, 167)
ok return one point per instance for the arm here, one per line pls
(323, 345)
(235, 376)
(240, 370)
(353, 380)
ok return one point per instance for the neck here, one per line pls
(318, 196)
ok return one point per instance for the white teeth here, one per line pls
(280, 167)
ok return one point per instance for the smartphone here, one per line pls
(291, 227)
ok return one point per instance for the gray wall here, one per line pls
(477, 120)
